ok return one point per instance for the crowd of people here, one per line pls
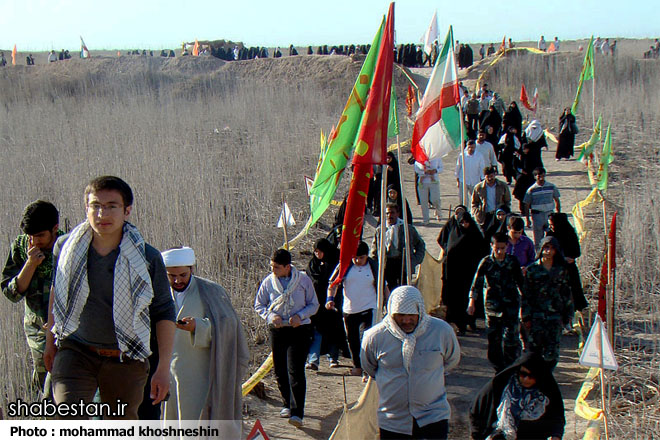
(106, 312)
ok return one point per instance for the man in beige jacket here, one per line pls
(488, 196)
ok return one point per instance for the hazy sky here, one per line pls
(121, 24)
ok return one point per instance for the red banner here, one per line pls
(524, 99)
(604, 278)
(370, 148)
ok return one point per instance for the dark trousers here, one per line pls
(437, 430)
(290, 347)
(78, 372)
(356, 324)
(147, 410)
(503, 341)
(394, 274)
(473, 122)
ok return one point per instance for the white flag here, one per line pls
(309, 182)
(431, 34)
(598, 350)
(285, 214)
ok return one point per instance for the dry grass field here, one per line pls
(210, 148)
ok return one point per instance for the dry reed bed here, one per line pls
(209, 165)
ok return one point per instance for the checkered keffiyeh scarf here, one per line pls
(133, 291)
(407, 300)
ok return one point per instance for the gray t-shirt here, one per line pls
(96, 327)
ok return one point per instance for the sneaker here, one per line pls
(296, 421)
(334, 364)
(311, 367)
(285, 413)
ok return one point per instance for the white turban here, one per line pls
(183, 256)
(407, 300)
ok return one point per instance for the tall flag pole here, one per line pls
(370, 149)
(404, 204)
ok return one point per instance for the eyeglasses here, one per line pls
(523, 374)
(110, 208)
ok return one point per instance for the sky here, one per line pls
(37, 25)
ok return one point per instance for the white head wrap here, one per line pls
(183, 256)
(407, 300)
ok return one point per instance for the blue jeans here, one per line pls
(315, 350)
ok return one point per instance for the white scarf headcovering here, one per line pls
(407, 300)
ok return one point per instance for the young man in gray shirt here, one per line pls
(108, 286)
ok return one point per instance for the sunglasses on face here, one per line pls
(523, 374)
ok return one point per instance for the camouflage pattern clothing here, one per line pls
(36, 298)
(547, 304)
(503, 281)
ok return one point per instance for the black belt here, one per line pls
(536, 211)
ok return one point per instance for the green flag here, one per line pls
(586, 74)
(606, 159)
(393, 123)
(341, 141)
(587, 149)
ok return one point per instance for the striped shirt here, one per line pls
(541, 198)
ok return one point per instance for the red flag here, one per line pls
(13, 56)
(195, 51)
(602, 287)
(410, 100)
(370, 148)
(525, 99)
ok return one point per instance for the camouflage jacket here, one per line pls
(503, 284)
(547, 294)
(37, 294)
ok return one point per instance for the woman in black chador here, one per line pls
(567, 131)
(465, 248)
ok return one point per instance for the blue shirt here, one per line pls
(541, 198)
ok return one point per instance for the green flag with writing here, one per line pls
(587, 149)
(586, 74)
(606, 159)
(341, 142)
(393, 123)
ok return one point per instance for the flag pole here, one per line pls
(602, 380)
(593, 87)
(593, 99)
(404, 207)
(460, 112)
(464, 198)
(381, 245)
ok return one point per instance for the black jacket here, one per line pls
(483, 414)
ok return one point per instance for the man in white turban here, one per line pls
(210, 350)
(408, 353)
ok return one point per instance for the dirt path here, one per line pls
(325, 390)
